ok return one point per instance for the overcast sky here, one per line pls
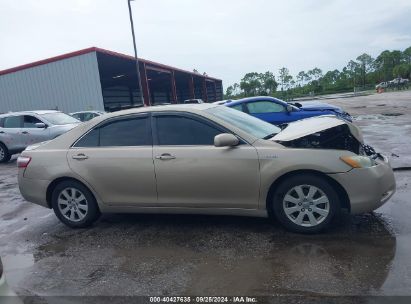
(225, 38)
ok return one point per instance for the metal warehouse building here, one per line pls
(98, 79)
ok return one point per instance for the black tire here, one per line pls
(90, 216)
(306, 181)
(4, 154)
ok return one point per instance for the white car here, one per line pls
(221, 102)
(21, 129)
(193, 101)
(382, 85)
(86, 115)
(7, 296)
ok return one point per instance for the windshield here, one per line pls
(59, 118)
(245, 122)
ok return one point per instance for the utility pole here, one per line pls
(135, 53)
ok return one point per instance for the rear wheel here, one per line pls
(305, 203)
(4, 154)
(74, 204)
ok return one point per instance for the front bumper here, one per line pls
(368, 188)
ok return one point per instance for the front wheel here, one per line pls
(74, 204)
(305, 203)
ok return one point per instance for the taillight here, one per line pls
(23, 161)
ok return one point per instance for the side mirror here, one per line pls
(289, 108)
(40, 125)
(226, 140)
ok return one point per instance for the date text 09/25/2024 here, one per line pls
(239, 299)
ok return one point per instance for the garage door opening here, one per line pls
(161, 84)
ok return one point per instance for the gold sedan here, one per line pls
(206, 159)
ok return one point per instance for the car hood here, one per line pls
(316, 106)
(312, 125)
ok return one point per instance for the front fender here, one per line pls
(275, 163)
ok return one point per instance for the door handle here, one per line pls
(25, 132)
(2, 132)
(165, 156)
(80, 156)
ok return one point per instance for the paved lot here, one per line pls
(209, 255)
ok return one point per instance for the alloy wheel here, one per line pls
(306, 205)
(72, 204)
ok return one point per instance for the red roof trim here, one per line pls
(96, 49)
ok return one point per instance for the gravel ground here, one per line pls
(218, 255)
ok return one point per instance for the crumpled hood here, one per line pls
(316, 106)
(313, 125)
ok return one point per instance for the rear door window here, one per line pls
(91, 139)
(12, 122)
(133, 131)
(126, 132)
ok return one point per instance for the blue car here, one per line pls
(278, 112)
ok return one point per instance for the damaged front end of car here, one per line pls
(324, 132)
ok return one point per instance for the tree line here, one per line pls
(362, 73)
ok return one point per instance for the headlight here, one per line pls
(358, 161)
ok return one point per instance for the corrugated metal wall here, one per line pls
(70, 85)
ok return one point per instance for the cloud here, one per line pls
(224, 38)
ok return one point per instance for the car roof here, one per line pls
(221, 102)
(162, 108)
(91, 111)
(67, 139)
(251, 99)
(38, 112)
